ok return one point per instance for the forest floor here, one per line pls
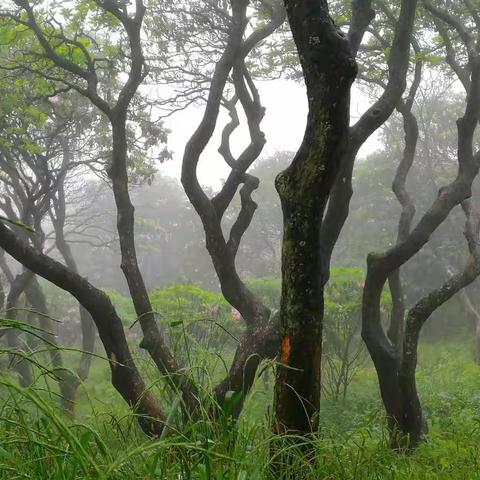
(36, 442)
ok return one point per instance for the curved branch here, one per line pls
(125, 375)
(372, 119)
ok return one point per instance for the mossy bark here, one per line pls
(329, 69)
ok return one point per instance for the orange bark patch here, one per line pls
(285, 358)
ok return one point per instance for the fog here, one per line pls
(283, 125)
(239, 239)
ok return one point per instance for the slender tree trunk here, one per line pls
(3, 296)
(67, 382)
(260, 339)
(153, 340)
(87, 325)
(372, 119)
(410, 126)
(465, 298)
(14, 336)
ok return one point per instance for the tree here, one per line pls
(329, 70)
(77, 60)
(396, 373)
(260, 338)
(36, 158)
(310, 236)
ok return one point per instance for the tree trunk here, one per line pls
(260, 338)
(153, 341)
(67, 382)
(86, 322)
(14, 339)
(396, 376)
(329, 70)
(254, 346)
(411, 424)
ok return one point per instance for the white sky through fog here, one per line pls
(284, 123)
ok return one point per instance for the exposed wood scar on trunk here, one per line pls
(286, 347)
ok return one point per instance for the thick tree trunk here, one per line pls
(329, 69)
(411, 424)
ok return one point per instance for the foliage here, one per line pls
(193, 318)
(267, 289)
(202, 315)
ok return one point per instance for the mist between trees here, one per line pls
(160, 328)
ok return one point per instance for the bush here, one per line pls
(186, 312)
(267, 289)
(202, 315)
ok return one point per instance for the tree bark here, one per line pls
(329, 69)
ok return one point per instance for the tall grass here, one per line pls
(38, 442)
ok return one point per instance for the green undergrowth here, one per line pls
(104, 442)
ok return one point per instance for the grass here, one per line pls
(37, 442)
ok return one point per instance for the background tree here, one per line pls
(397, 376)
(73, 62)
